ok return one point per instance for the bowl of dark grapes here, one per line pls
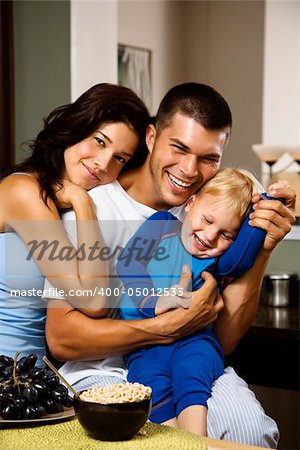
(29, 392)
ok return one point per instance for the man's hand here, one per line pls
(204, 309)
(274, 216)
(80, 337)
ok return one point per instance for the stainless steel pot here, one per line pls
(279, 288)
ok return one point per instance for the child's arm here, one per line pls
(132, 268)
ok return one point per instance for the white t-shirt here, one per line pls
(119, 217)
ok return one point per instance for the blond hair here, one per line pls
(236, 187)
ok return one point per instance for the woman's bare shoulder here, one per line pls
(20, 198)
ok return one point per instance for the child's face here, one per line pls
(209, 228)
(99, 158)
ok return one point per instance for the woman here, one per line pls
(82, 145)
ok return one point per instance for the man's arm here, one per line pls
(73, 336)
(241, 297)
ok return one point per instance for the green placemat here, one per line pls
(71, 436)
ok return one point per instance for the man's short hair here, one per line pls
(198, 101)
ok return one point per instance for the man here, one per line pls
(185, 149)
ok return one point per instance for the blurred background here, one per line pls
(52, 51)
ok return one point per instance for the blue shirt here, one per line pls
(152, 261)
(22, 310)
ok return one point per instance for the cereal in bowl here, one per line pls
(117, 393)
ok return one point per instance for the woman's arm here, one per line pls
(241, 297)
(73, 336)
(40, 228)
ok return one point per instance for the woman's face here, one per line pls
(99, 158)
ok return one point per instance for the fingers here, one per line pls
(274, 210)
(179, 291)
(282, 189)
(273, 217)
(207, 294)
(209, 281)
(278, 215)
(168, 302)
(219, 304)
(181, 302)
(185, 277)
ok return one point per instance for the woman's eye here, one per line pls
(100, 141)
(120, 159)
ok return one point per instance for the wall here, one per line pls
(281, 100)
(42, 64)
(231, 33)
(156, 25)
(93, 44)
(212, 42)
(285, 258)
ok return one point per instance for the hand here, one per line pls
(274, 216)
(178, 296)
(206, 304)
(282, 189)
(67, 192)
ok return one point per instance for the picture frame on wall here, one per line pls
(134, 71)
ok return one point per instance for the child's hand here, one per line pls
(173, 300)
(178, 295)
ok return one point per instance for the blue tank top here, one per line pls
(22, 310)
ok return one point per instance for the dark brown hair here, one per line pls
(69, 124)
(198, 101)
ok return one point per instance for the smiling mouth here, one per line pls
(200, 242)
(91, 172)
(179, 184)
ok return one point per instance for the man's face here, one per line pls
(183, 157)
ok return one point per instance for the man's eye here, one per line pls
(211, 160)
(100, 141)
(178, 147)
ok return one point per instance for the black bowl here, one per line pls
(114, 421)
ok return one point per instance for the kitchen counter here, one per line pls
(277, 322)
(268, 355)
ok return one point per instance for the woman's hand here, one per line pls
(67, 193)
(275, 216)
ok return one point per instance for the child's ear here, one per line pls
(150, 137)
(190, 203)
